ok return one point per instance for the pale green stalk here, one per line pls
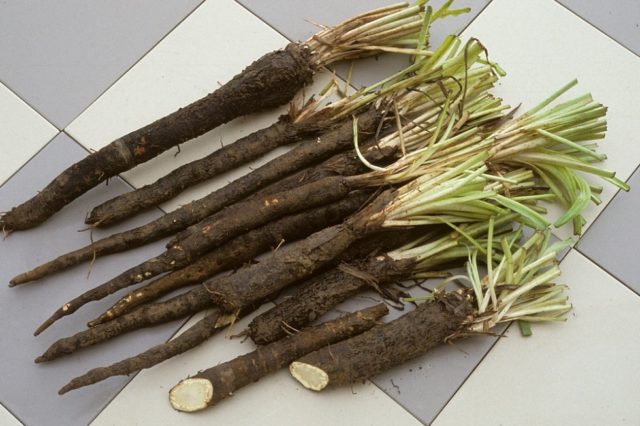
(400, 28)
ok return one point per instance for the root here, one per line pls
(215, 384)
(385, 345)
(191, 338)
(149, 315)
(269, 82)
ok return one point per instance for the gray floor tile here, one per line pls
(424, 385)
(60, 56)
(619, 19)
(292, 18)
(611, 242)
(28, 390)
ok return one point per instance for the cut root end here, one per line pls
(311, 377)
(191, 395)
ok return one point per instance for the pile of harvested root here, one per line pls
(395, 183)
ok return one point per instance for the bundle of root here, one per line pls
(416, 135)
(271, 81)
(415, 95)
(475, 183)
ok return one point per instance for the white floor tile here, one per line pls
(216, 42)
(275, 400)
(7, 419)
(582, 372)
(22, 133)
(542, 46)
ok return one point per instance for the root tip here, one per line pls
(47, 323)
(17, 280)
(40, 359)
(72, 385)
(100, 320)
(91, 219)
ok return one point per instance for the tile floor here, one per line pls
(74, 76)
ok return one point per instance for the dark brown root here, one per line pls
(242, 151)
(302, 156)
(249, 214)
(190, 338)
(228, 224)
(269, 82)
(132, 276)
(326, 291)
(210, 386)
(177, 307)
(340, 165)
(238, 251)
(384, 346)
(297, 261)
(192, 300)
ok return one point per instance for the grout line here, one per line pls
(611, 274)
(262, 20)
(497, 339)
(475, 17)
(593, 222)
(397, 402)
(12, 414)
(29, 105)
(598, 29)
(24, 163)
(144, 55)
